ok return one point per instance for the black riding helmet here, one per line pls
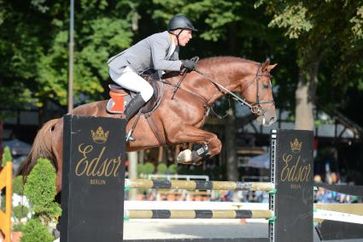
(180, 22)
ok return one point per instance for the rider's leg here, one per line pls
(130, 80)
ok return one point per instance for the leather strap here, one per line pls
(160, 136)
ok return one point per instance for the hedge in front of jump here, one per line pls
(40, 190)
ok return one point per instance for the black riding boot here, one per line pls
(133, 106)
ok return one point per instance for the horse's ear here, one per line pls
(265, 64)
(270, 67)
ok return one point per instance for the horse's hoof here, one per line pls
(185, 157)
(189, 157)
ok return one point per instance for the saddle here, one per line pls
(120, 97)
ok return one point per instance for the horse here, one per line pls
(180, 114)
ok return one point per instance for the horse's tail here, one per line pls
(42, 148)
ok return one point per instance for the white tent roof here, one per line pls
(17, 147)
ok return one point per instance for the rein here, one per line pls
(254, 107)
(219, 86)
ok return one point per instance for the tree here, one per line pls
(319, 33)
(34, 48)
(101, 28)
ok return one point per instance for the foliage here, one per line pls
(34, 48)
(173, 169)
(140, 169)
(36, 70)
(40, 189)
(357, 22)
(145, 169)
(18, 185)
(149, 168)
(217, 14)
(6, 156)
(161, 168)
(18, 227)
(20, 212)
(321, 33)
(328, 41)
(34, 231)
(292, 17)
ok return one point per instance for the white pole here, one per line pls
(132, 171)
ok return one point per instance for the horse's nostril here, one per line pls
(272, 120)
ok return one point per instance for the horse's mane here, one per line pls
(224, 59)
(206, 64)
(224, 62)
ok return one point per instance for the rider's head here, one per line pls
(182, 28)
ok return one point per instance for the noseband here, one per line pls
(256, 107)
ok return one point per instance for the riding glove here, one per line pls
(188, 64)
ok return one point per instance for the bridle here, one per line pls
(256, 107)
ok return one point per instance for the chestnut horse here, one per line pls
(180, 115)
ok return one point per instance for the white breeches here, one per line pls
(130, 80)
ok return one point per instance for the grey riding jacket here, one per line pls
(149, 53)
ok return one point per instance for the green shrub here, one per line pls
(20, 212)
(35, 231)
(18, 185)
(149, 168)
(18, 227)
(140, 169)
(173, 169)
(6, 156)
(162, 168)
(40, 189)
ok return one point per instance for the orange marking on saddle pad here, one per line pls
(119, 100)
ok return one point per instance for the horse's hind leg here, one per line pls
(209, 145)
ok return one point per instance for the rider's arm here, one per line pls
(159, 49)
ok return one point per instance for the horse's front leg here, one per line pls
(208, 145)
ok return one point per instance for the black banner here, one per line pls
(294, 185)
(93, 179)
(335, 230)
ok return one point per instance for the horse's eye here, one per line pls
(266, 86)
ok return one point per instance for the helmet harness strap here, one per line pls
(177, 35)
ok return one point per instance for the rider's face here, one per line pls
(184, 37)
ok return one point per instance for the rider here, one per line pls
(158, 52)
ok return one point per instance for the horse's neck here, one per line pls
(207, 84)
(228, 73)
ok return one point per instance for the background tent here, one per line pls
(17, 147)
(260, 161)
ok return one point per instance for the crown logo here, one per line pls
(295, 145)
(99, 136)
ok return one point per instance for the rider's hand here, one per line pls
(189, 65)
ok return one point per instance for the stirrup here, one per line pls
(129, 136)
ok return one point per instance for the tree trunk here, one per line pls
(230, 148)
(230, 126)
(305, 96)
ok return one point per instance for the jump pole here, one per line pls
(290, 211)
(199, 185)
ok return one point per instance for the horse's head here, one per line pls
(256, 88)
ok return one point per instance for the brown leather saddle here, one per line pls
(120, 97)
